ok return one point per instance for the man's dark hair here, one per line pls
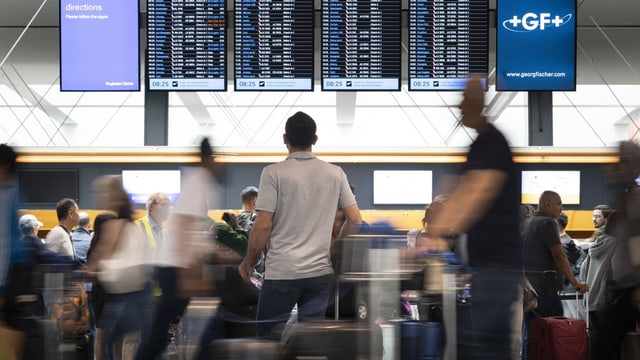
(562, 220)
(63, 207)
(606, 210)
(8, 158)
(300, 130)
(249, 193)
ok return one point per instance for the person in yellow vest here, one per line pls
(158, 209)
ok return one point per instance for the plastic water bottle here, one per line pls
(257, 279)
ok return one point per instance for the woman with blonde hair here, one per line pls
(122, 261)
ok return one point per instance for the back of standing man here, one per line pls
(81, 237)
(296, 208)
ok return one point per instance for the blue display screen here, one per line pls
(99, 45)
(536, 45)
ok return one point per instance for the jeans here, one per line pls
(278, 298)
(549, 304)
(169, 308)
(121, 315)
(493, 293)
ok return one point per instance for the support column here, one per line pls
(540, 118)
(156, 118)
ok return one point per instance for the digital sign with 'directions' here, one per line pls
(99, 45)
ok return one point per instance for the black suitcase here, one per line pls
(334, 340)
(245, 349)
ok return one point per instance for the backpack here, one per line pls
(572, 251)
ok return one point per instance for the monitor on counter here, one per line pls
(402, 187)
(47, 186)
(564, 182)
(140, 184)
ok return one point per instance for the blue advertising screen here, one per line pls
(536, 45)
(99, 45)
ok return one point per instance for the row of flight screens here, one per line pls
(274, 41)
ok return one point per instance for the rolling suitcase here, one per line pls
(559, 338)
(334, 340)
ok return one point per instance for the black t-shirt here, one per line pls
(495, 239)
(539, 236)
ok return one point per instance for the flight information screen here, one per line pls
(186, 45)
(274, 45)
(448, 42)
(361, 45)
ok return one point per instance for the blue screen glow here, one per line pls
(99, 45)
(536, 45)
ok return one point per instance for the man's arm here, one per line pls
(563, 264)
(354, 219)
(257, 242)
(471, 199)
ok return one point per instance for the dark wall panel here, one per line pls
(235, 177)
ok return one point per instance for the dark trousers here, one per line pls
(278, 298)
(169, 308)
(493, 293)
(549, 304)
(617, 319)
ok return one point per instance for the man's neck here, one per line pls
(293, 149)
(66, 225)
(248, 208)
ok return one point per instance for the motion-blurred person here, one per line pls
(600, 217)
(485, 205)
(123, 262)
(545, 262)
(81, 237)
(623, 312)
(97, 296)
(58, 239)
(297, 236)
(9, 232)
(246, 218)
(153, 226)
(25, 301)
(238, 300)
(186, 242)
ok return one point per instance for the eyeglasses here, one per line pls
(163, 205)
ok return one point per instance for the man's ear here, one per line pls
(315, 139)
(284, 139)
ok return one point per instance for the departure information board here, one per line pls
(448, 41)
(361, 45)
(186, 45)
(274, 45)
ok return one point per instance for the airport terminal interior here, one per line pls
(399, 147)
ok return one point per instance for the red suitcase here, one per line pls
(558, 338)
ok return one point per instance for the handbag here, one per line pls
(129, 268)
(11, 343)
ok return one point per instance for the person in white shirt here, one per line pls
(58, 239)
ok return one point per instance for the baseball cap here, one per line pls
(28, 221)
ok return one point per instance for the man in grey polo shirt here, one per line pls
(296, 208)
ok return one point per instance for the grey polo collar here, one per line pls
(302, 155)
